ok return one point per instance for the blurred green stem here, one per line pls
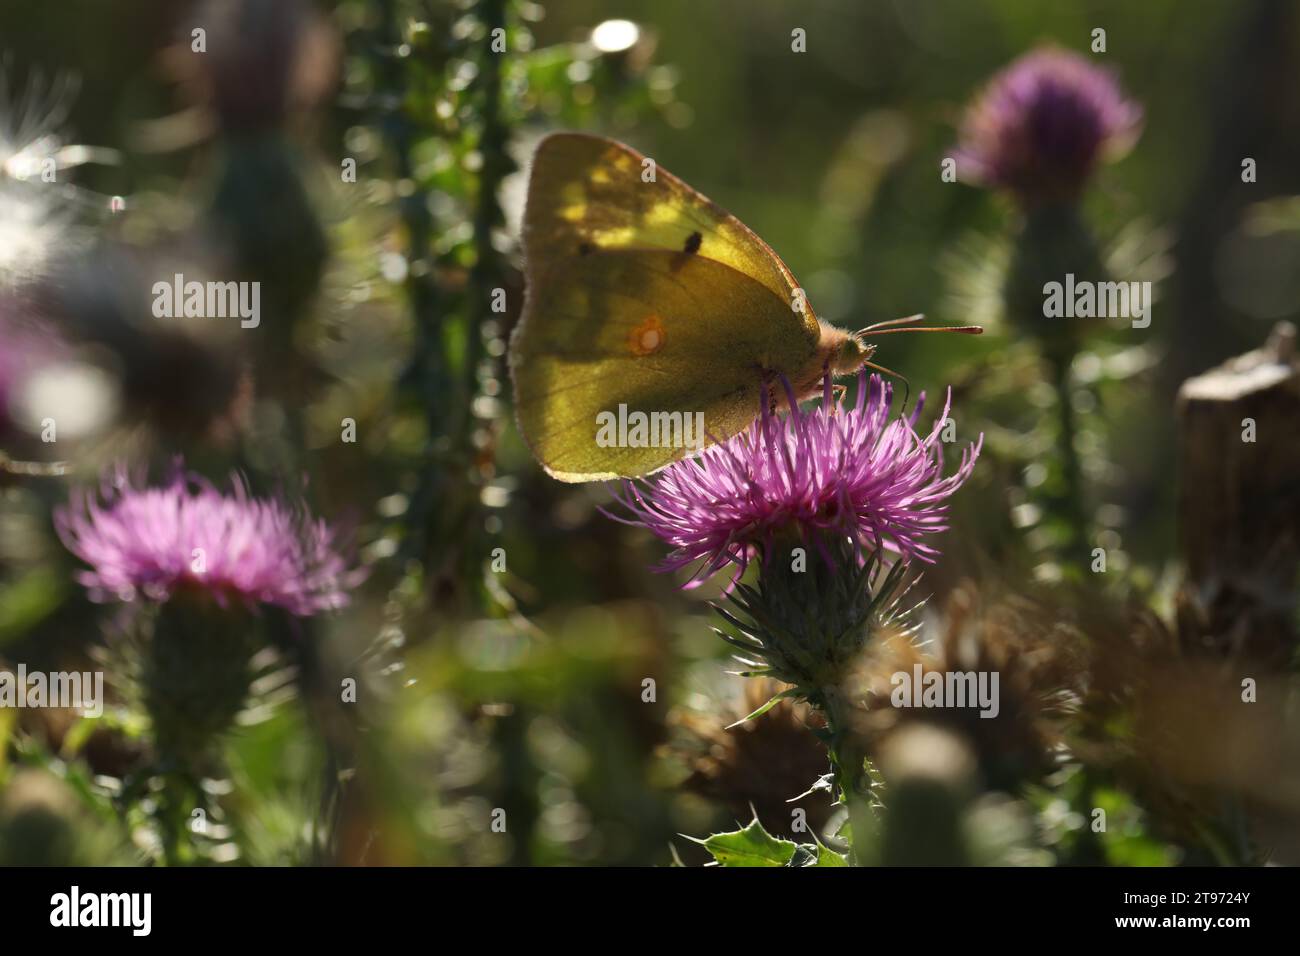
(426, 370)
(476, 432)
(493, 138)
(176, 800)
(1054, 243)
(848, 762)
(1071, 507)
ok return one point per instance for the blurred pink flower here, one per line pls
(150, 543)
(1043, 124)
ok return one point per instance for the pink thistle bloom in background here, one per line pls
(848, 471)
(186, 535)
(1044, 123)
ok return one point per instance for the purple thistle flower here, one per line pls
(851, 472)
(141, 542)
(1043, 123)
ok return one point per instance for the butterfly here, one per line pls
(652, 317)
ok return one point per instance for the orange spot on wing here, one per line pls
(648, 337)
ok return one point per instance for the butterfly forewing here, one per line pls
(588, 192)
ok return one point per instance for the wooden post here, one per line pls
(1239, 503)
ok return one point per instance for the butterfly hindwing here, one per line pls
(612, 334)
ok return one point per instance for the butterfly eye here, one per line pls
(852, 354)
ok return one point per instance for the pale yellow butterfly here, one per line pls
(652, 317)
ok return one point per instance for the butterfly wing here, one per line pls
(587, 193)
(644, 299)
(620, 337)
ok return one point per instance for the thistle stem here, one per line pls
(427, 369)
(1055, 243)
(1071, 498)
(848, 758)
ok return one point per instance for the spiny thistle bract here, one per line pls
(808, 627)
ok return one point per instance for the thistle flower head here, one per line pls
(186, 535)
(825, 473)
(1043, 124)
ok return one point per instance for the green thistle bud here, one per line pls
(193, 670)
(817, 604)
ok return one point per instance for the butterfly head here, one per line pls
(852, 355)
(852, 351)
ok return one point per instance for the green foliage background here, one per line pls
(524, 691)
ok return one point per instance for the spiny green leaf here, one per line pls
(816, 854)
(752, 846)
(805, 854)
(828, 857)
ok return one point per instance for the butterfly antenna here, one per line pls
(888, 322)
(890, 326)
